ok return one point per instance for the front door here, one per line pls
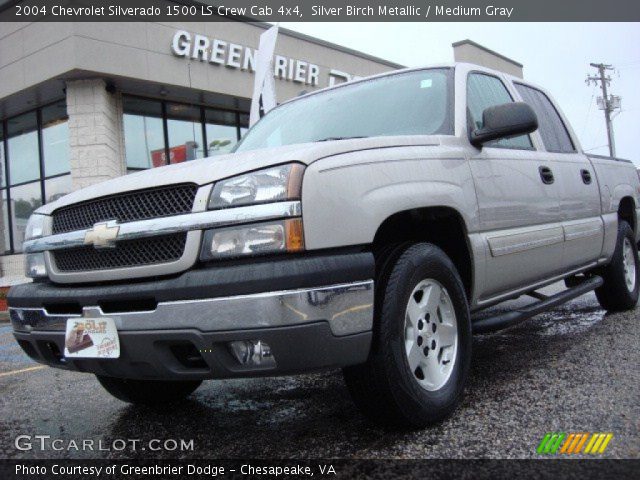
(518, 199)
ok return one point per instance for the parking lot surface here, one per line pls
(574, 369)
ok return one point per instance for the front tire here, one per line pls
(622, 276)
(421, 351)
(148, 392)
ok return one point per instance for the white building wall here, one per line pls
(95, 133)
(12, 270)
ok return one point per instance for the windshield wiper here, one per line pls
(328, 139)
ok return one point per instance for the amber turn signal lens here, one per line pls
(294, 235)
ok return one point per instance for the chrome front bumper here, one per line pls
(347, 308)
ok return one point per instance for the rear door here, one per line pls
(519, 210)
(579, 195)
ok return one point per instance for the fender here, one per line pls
(345, 200)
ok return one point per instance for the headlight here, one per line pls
(255, 239)
(35, 227)
(34, 265)
(274, 184)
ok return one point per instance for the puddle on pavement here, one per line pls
(568, 321)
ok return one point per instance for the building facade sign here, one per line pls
(242, 58)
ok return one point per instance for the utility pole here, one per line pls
(606, 103)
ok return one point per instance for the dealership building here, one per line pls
(81, 103)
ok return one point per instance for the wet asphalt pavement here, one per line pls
(573, 369)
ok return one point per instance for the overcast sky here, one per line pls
(555, 55)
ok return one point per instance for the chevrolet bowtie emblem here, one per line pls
(102, 235)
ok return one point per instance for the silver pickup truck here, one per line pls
(361, 226)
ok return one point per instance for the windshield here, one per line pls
(412, 103)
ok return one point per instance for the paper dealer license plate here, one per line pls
(91, 338)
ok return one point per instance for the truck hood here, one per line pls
(211, 169)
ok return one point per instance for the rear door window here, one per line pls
(552, 129)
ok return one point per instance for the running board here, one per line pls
(513, 317)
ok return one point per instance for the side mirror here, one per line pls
(504, 121)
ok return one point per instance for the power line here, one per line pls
(586, 119)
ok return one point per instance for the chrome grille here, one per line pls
(129, 253)
(126, 207)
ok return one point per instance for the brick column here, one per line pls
(95, 132)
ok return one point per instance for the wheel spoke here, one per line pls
(447, 355)
(432, 370)
(432, 299)
(447, 334)
(414, 356)
(414, 312)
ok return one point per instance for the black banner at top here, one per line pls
(322, 10)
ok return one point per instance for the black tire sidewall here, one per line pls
(417, 263)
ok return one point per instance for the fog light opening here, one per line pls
(252, 353)
(188, 356)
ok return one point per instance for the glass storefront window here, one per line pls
(55, 139)
(58, 187)
(185, 132)
(222, 133)
(143, 133)
(3, 174)
(23, 143)
(24, 200)
(5, 247)
(5, 241)
(244, 124)
(24, 154)
(221, 138)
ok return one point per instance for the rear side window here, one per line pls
(551, 127)
(484, 91)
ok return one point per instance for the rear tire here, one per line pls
(148, 392)
(622, 276)
(421, 350)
